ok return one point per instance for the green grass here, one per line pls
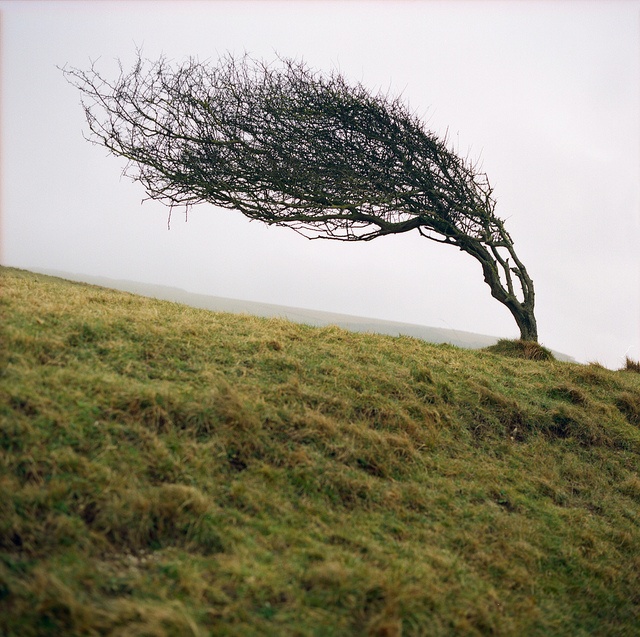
(171, 471)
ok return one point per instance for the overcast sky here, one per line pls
(546, 94)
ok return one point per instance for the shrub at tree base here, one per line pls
(521, 349)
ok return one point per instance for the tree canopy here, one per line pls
(289, 146)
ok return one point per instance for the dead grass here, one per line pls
(172, 471)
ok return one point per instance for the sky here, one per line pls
(546, 95)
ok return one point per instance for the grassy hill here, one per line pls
(172, 471)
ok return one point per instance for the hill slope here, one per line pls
(172, 471)
(317, 318)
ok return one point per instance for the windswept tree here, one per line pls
(291, 147)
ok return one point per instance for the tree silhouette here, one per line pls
(291, 147)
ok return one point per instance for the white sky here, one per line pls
(546, 93)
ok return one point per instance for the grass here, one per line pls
(172, 471)
(632, 366)
(528, 350)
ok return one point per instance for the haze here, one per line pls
(546, 94)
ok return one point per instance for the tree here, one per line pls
(291, 147)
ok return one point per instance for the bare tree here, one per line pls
(291, 147)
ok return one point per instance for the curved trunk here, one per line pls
(525, 320)
(522, 311)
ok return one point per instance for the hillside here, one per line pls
(305, 316)
(166, 470)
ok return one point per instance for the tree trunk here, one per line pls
(525, 320)
(522, 311)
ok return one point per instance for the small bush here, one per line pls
(529, 350)
(632, 366)
(172, 471)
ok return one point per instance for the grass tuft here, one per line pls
(172, 471)
(631, 365)
(528, 350)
